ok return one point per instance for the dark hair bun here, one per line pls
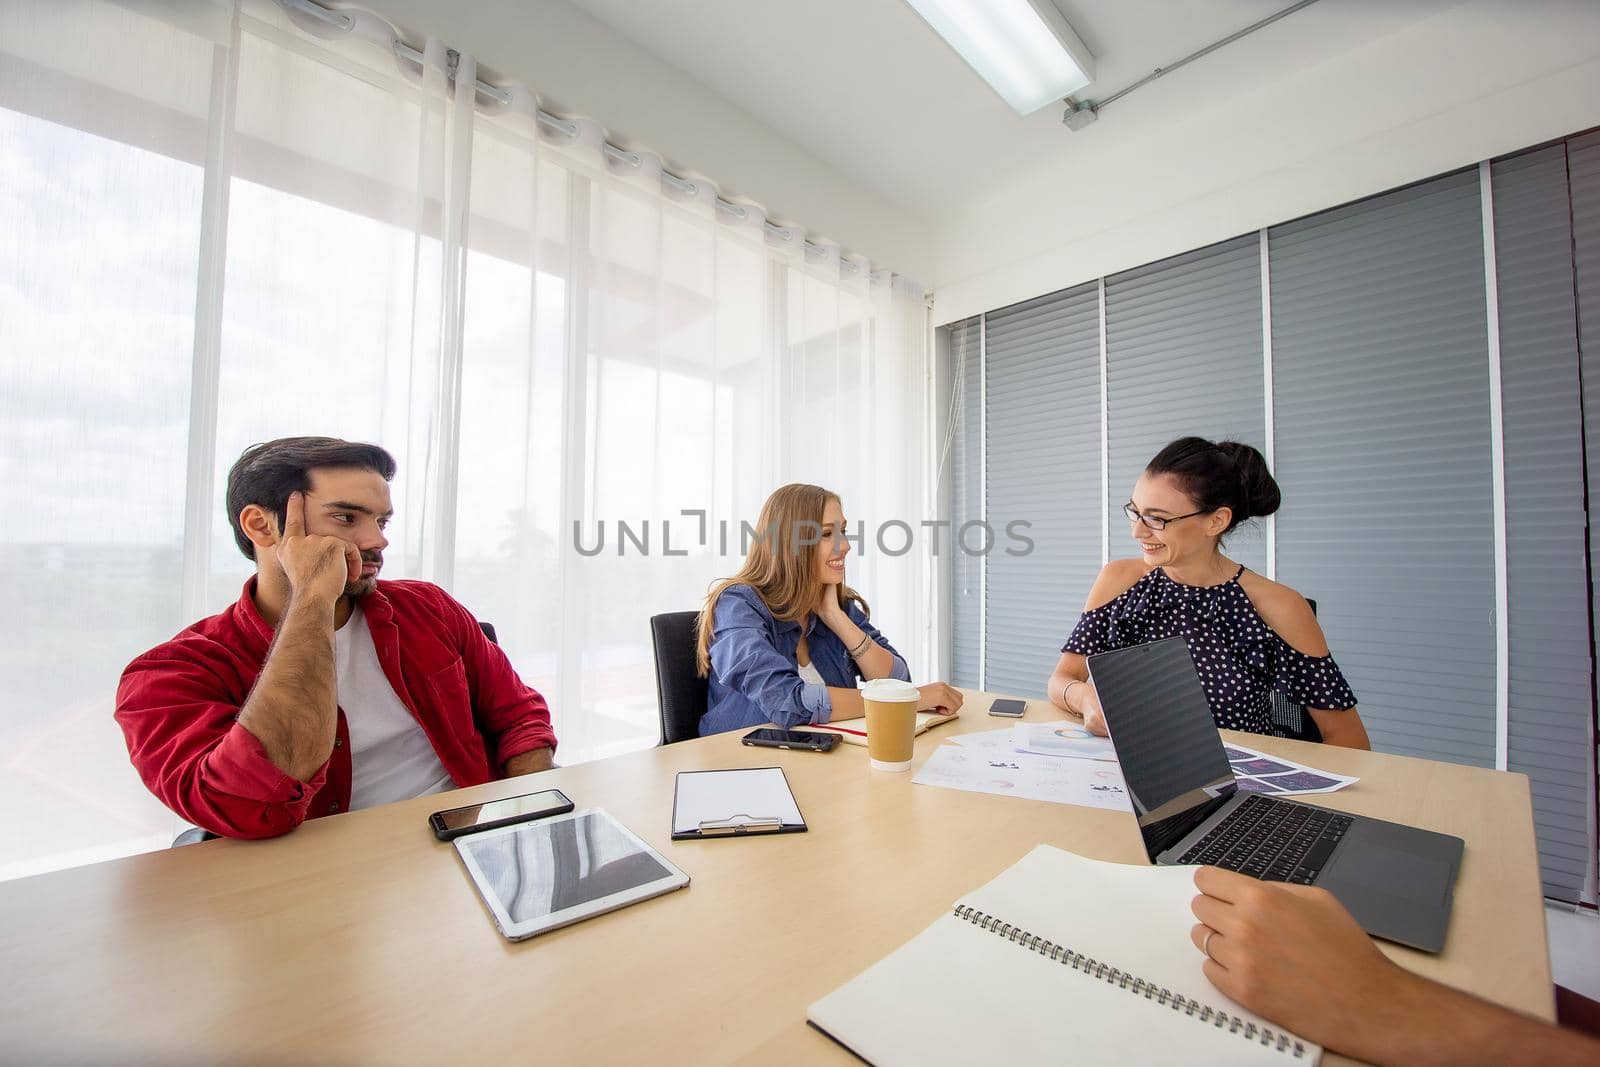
(1222, 474)
(1259, 491)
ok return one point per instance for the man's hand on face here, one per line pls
(317, 566)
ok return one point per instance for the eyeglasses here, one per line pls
(1154, 522)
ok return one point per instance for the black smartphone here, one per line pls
(486, 816)
(770, 738)
(1011, 709)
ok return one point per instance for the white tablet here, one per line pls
(536, 876)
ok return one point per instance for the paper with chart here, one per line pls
(1257, 772)
(1063, 763)
(990, 740)
(982, 763)
(1061, 739)
(1043, 739)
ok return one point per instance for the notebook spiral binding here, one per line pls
(1265, 1035)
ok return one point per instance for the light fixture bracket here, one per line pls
(1078, 115)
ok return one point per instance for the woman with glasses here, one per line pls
(1248, 635)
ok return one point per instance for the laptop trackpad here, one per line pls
(1396, 881)
(1378, 868)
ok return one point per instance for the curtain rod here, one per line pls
(344, 23)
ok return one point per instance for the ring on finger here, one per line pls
(1205, 945)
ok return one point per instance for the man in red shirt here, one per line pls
(323, 689)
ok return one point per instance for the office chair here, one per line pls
(680, 690)
(1290, 719)
(194, 835)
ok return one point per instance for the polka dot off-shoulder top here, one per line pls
(1239, 657)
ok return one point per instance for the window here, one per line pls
(545, 340)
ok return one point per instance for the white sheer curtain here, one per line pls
(231, 223)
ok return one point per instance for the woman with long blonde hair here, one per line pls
(785, 640)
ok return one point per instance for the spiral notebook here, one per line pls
(1060, 957)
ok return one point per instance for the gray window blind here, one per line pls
(1043, 404)
(966, 474)
(1381, 382)
(1184, 356)
(1383, 437)
(1583, 171)
(1548, 731)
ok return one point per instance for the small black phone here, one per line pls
(1011, 709)
(770, 738)
(490, 814)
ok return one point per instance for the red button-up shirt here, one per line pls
(179, 703)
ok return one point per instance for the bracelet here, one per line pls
(860, 650)
(1066, 688)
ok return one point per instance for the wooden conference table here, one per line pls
(359, 939)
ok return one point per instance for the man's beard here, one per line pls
(364, 585)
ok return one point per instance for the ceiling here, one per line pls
(867, 87)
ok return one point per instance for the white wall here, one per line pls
(581, 66)
(1428, 93)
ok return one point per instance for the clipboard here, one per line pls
(739, 802)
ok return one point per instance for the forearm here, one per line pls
(293, 709)
(1421, 1022)
(789, 702)
(1293, 955)
(1343, 728)
(537, 759)
(875, 662)
(846, 704)
(1058, 688)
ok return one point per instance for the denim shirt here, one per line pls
(755, 673)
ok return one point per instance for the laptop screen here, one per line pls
(1166, 740)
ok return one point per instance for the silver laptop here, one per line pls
(1397, 881)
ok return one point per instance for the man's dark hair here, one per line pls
(267, 474)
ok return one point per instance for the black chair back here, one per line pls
(1290, 719)
(679, 688)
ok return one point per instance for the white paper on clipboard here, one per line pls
(755, 793)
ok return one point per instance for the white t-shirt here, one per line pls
(809, 673)
(391, 757)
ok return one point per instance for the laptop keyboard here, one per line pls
(1275, 842)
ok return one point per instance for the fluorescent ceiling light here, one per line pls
(1024, 49)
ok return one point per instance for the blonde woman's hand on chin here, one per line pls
(830, 612)
(937, 696)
